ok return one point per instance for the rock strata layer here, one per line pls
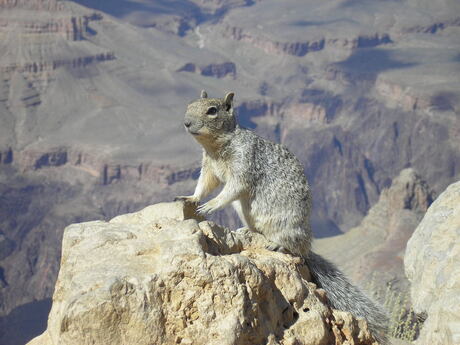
(163, 276)
(432, 264)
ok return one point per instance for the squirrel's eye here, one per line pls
(211, 111)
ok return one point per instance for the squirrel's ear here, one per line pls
(228, 100)
(204, 94)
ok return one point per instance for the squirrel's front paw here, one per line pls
(207, 208)
(190, 198)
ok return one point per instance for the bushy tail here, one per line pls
(344, 296)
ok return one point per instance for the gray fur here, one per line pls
(267, 186)
(344, 296)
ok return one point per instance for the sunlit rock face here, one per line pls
(160, 276)
(432, 265)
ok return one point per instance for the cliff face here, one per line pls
(432, 264)
(160, 276)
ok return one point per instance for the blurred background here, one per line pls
(93, 93)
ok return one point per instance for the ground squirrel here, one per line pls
(266, 185)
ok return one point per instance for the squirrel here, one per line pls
(266, 185)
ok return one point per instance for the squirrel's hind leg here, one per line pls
(295, 241)
(274, 247)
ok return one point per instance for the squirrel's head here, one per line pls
(210, 118)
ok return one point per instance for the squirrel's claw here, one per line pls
(206, 208)
(202, 210)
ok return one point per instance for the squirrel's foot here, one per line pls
(207, 207)
(276, 248)
(189, 198)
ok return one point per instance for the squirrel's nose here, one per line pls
(187, 123)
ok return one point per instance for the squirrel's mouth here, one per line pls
(192, 132)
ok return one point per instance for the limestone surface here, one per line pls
(162, 276)
(432, 264)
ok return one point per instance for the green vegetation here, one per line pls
(404, 323)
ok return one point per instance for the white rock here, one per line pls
(432, 264)
(155, 277)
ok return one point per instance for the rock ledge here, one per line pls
(163, 276)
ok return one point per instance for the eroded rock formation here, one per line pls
(164, 276)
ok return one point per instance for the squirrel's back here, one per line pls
(279, 197)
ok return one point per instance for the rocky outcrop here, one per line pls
(70, 27)
(47, 5)
(361, 41)
(98, 165)
(52, 24)
(378, 243)
(300, 49)
(65, 25)
(397, 95)
(48, 66)
(6, 156)
(164, 276)
(433, 28)
(218, 70)
(432, 264)
(311, 110)
(274, 47)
